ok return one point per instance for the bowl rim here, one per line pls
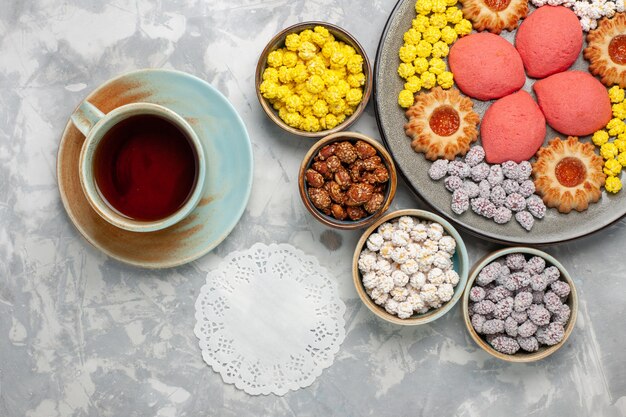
(433, 314)
(328, 220)
(279, 39)
(520, 357)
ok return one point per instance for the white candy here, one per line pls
(399, 255)
(430, 247)
(417, 280)
(445, 292)
(425, 263)
(448, 244)
(375, 241)
(435, 231)
(379, 296)
(367, 260)
(399, 293)
(429, 293)
(452, 277)
(442, 261)
(400, 279)
(370, 280)
(391, 306)
(405, 310)
(413, 249)
(386, 230)
(400, 238)
(436, 276)
(386, 283)
(406, 223)
(419, 232)
(383, 266)
(416, 301)
(386, 249)
(410, 266)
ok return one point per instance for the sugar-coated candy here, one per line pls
(375, 241)
(521, 278)
(498, 196)
(525, 219)
(460, 201)
(488, 274)
(445, 292)
(527, 329)
(562, 316)
(516, 261)
(477, 294)
(538, 314)
(459, 168)
(510, 326)
(505, 344)
(552, 274)
(400, 279)
(519, 316)
(510, 170)
(399, 294)
(538, 282)
(529, 344)
(471, 188)
(551, 334)
(406, 223)
(515, 202)
(526, 188)
(452, 182)
(496, 176)
(503, 308)
(552, 302)
(452, 277)
(524, 170)
(484, 189)
(560, 288)
(484, 307)
(498, 293)
(417, 280)
(438, 169)
(475, 156)
(477, 322)
(483, 207)
(502, 215)
(493, 326)
(535, 265)
(480, 172)
(510, 186)
(523, 300)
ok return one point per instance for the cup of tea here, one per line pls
(141, 167)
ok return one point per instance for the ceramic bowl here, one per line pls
(460, 263)
(520, 356)
(329, 220)
(278, 41)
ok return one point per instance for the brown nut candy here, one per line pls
(373, 162)
(379, 175)
(333, 163)
(356, 170)
(314, 178)
(342, 177)
(335, 192)
(375, 203)
(359, 194)
(322, 168)
(364, 150)
(356, 213)
(326, 152)
(346, 152)
(338, 212)
(320, 198)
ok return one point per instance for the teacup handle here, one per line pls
(86, 116)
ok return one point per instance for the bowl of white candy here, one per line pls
(410, 267)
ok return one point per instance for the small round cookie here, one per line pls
(606, 50)
(573, 102)
(512, 129)
(486, 66)
(549, 40)
(495, 15)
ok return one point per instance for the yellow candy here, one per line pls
(420, 23)
(619, 110)
(320, 108)
(330, 121)
(356, 80)
(454, 15)
(292, 119)
(600, 137)
(320, 36)
(284, 75)
(355, 64)
(270, 74)
(406, 70)
(348, 51)
(307, 98)
(331, 78)
(275, 58)
(428, 80)
(332, 95)
(338, 107)
(432, 35)
(424, 48)
(307, 50)
(354, 96)
(405, 98)
(445, 80)
(616, 94)
(293, 103)
(278, 105)
(439, 6)
(329, 48)
(612, 167)
(292, 41)
(451, 2)
(613, 184)
(608, 151)
(421, 65)
(283, 91)
(310, 123)
(621, 158)
(440, 49)
(338, 59)
(438, 20)
(269, 89)
(290, 59)
(307, 110)
(341, 118)
(464, 27)
(615, 126)
(349, 111)
(316, 66)
(407, 52)
(412, 36)
(437, 66)
(306, 35)
(448, 35)
(299, 73)
(314, 84)
(423, 6)
(620, 143)
(413, 84)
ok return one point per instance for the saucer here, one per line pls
(227, 183)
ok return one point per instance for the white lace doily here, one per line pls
(269, 319)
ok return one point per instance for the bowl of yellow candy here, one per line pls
(313, 79)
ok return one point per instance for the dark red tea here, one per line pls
(145, 168)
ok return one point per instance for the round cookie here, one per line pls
(486, 66)
(549, 40)
(574, 102)
(512, 129)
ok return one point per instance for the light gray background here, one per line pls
(83, 335)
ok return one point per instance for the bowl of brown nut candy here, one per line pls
(347, 180)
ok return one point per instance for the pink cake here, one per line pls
(512, 129)
(549, 41)
(573, 102)
(486, 66)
